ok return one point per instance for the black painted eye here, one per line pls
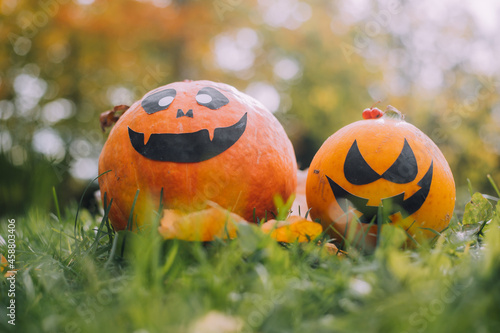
(356, 170)
(211, 98)
(404, 169)
(158, 101)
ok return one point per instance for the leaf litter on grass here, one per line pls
(75, 282)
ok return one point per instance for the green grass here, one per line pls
(83, 278)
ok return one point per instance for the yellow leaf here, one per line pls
(295, 228)
(4, 266)
(204, 225)
(3, 263)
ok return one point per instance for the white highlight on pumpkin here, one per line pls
(165, 101)
(203, 98)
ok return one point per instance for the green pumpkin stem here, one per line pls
(392, 112)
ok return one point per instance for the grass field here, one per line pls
(87, 279)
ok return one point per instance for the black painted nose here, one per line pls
(180, 113)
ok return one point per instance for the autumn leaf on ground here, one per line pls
(4, 266)
(204, 225)
(294, 228)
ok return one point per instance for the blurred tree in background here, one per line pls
(315, 64)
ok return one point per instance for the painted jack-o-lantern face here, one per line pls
(381, 167)
(186, 147)
(194, 141)
(403, 171)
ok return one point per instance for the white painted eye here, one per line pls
(165, 101)
(203, 98)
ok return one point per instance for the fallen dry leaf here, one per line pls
(334, 250)
(4, 266)
(204, 225)
(294, 228)
(216, 222)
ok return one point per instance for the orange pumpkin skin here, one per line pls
(258, 165)
(428, 186)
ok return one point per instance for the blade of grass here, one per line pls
(129, 223)
(170, 259)
(411, 238)
(101, 227)
(131, 216)
(81, 198)
(492, 182)
(160, 209)
(437, 233)
(58, 211)
(56, 203)
(469, 184)
(112, 253)
(110, 231)
(307, 213)
(365, 233)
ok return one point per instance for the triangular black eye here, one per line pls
(211, 98)
(404, 169)
(356, 170)
(158, 101)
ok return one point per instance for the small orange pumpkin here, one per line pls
(380, 166)
(195, 141)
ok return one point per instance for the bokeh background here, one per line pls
(315, 64)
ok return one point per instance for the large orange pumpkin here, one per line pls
(380, 166)
(195, 141)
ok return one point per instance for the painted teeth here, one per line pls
(147, 136)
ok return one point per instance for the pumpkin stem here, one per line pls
(394, 113)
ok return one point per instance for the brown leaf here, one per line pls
(108, 118)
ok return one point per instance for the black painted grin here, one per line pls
(390, 206)
(187, 147)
